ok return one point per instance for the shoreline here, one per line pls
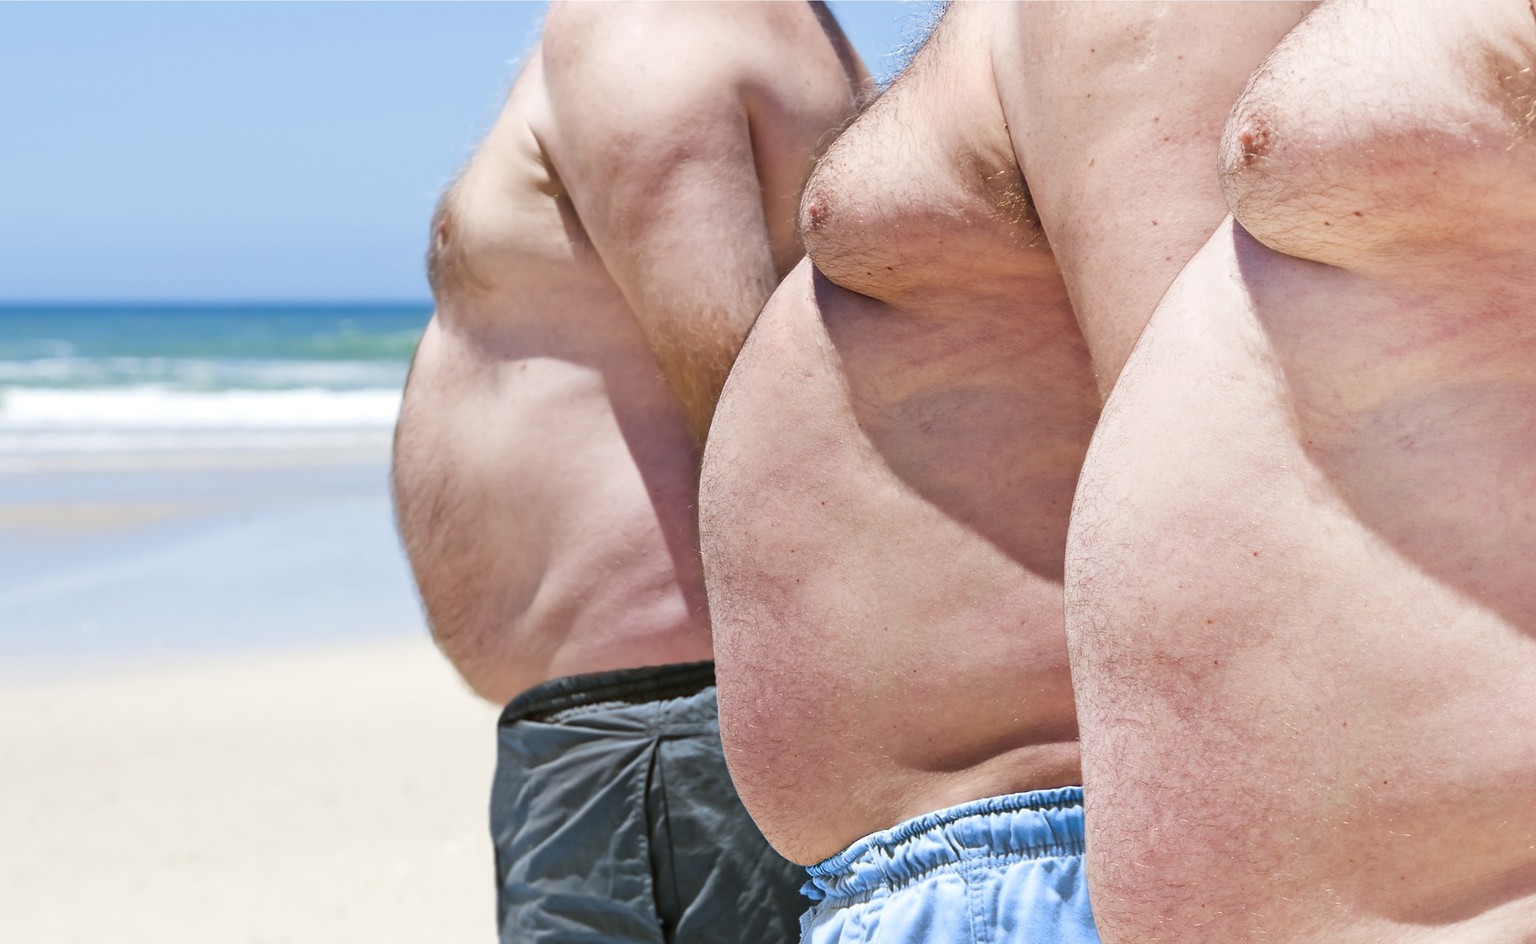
(120, 566)
(369, 448)
(224, 716)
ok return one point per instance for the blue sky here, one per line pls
(156, 151)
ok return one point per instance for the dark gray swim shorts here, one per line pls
(614, 819)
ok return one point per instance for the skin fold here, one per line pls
(887, 489)
(1300, 606)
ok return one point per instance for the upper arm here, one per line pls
(674, 131)
(645, 111)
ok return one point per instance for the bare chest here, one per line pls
(924, 190)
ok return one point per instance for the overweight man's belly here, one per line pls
(1306, 675)
(887, 626)
(559, 481)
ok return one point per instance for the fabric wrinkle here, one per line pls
(1000, 870)
(614, 820)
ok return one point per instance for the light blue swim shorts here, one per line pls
(1004, 870)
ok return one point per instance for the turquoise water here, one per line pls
(113, 378)
(208, 346)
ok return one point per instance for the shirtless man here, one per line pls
(886, 494)
(1303, 615)
(595, 268)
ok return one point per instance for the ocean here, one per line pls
(186, 480)
(125, 379)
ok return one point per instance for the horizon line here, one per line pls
(194, 302)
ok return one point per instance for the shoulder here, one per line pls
(720, 35)
(651, 56)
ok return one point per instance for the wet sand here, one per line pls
(119, 565)
(221, 718)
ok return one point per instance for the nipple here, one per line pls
(817, 212)
(1253, 141)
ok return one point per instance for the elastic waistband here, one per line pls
(623, 686)
(1041, 824)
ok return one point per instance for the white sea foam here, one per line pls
(200, 373)
(153, 408)
(36, 424)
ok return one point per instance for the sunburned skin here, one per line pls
(884, 498)
(1301, 606)
(595, 268)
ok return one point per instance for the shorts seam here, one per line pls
(962, 867)
(1042, 801)
(642, 686)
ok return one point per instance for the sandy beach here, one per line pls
(222, 717)
(328, 795)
